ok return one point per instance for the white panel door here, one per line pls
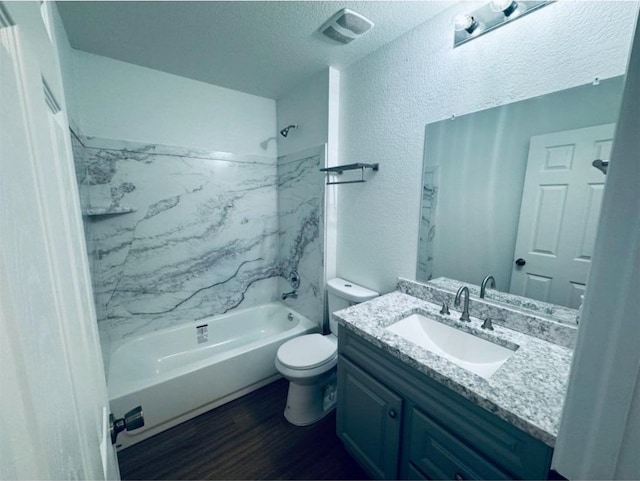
(559, 214)
(53, 397)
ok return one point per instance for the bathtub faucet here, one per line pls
(293, 294)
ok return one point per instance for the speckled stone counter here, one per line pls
(527, 391)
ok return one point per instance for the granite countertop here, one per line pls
(527, 391)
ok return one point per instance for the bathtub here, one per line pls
(180, 372)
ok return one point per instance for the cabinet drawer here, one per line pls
(414, 473)
(440, 455)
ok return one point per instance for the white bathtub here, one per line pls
(176, 374)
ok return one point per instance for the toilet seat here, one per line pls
(307, 352)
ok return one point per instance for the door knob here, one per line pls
(134, 419)
(520, 262)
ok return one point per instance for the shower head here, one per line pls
(284, 132)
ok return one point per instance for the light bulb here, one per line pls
(507, 7)
(461, 22)
(500, 5)
(465, 22)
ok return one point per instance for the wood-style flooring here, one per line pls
(245, 439)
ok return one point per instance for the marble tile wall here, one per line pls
(82, 177)
(201, 237)
(177, 235)
(301, 228)
(427, 222)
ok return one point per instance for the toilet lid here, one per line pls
(307, 352)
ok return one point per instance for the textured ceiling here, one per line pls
(263, 48)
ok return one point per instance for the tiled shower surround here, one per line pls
(208, 232)
(301, 228)
(431, 177)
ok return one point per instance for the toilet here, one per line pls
(309, 362)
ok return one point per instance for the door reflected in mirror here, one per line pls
(516, 183)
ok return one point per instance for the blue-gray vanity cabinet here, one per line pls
(442, 434)
(368, 421)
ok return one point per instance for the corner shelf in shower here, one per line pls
(96, 211)
(339, 169)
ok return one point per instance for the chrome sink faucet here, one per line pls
(456, 302)
(483, 286)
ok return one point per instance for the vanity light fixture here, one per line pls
(491, 16)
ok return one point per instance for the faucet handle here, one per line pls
(487, 324)
(445, 309)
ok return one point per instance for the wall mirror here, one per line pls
(511, 192)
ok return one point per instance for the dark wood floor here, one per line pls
(244, 439)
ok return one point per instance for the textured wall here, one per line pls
(388, 98)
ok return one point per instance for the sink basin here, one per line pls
(466, 350)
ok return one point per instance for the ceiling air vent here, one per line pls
(345, 26)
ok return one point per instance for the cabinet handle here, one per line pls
(392, 414)
(458, 477)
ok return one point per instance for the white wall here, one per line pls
(388, 97)
(118, 100)
(65, 56)
(306, 105)
(331, 191)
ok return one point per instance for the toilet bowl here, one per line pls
(309, 362)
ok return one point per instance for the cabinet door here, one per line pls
(368, 420)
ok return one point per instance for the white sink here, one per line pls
(466, 350)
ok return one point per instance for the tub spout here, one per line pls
(293, 294)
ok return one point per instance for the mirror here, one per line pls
(516, 182)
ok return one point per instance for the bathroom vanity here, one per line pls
(406, 413)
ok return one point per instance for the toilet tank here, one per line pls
(342, 294)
